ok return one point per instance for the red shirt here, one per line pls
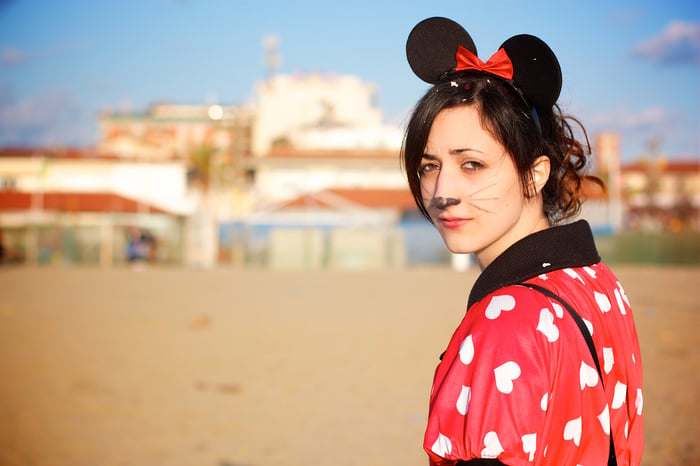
(517, 381)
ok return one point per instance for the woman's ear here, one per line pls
(539, 174)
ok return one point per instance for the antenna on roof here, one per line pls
(272, 57)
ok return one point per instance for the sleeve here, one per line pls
(492, 389)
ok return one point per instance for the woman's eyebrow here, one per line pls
(465, 149)
(453, 152)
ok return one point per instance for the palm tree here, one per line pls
(200, 167)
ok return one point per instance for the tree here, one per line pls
(200, 165)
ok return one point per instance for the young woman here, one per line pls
(545, 367)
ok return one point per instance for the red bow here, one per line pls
(499, 64)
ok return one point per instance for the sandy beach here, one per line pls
(236, 367)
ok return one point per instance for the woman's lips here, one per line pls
(452, 222)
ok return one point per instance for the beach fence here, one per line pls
(276, 246)
(92, 239)
(348, 248)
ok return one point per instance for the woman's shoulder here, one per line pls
(587, 276)
(585, 288)
(507, 298)
(512, 309)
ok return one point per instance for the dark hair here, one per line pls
(523, 132)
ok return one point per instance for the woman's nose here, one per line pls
(444, 202)
(445, 192)
(445, 183)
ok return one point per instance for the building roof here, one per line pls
(44, 152)
(291, 152)
(364, 198)
(378, 198)
(69, 153)
(664, 166)
(74, 202)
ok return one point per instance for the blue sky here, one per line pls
(629, 66)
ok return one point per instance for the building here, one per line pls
(295, 109)
(323, 171)
(322, 197)
(645, 195)
(661, 195)
(193, 169)
(307, 176)
(75, 207)
(171, 131)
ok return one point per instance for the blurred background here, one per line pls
(189, 188)
(212, 133)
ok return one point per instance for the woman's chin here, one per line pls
(455, 248)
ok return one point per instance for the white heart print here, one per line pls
(572, 273)
(463, 401)
(622, 292)
(619, 396)
(442, 446)
(572, 430)
(466, 350)
(558, 310)
(639, 402)
(505, 374)
(498, 304)
(620, 304)
(588, 376)
(546, 326)
(530, 444)
(493, 446)
(604, 419)
(608, 359)
(603, 302)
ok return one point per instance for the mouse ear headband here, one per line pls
(437, 47)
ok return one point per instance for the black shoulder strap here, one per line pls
(612, 460)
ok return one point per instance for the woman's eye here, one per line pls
(472, 165)
(428, 168)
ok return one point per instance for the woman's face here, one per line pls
(472, 190)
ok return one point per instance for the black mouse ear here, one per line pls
(431, 47)
(536, 70)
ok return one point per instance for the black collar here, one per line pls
(559, 247)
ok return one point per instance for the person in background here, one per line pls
(545, 367)
(140, 245)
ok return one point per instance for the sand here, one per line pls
(237, 367)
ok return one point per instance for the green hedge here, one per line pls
(681, 248)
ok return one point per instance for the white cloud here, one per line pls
(679, 42)
(639, 130)
(51, 118)
(625, 119)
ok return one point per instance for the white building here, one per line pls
(316, 111)
(307, 137)
(171, 131)
(79, 209)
